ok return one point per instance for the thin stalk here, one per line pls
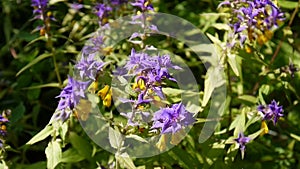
(46, 22)
(229, 92)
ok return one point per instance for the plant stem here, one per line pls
(56, 67)
(229, 92)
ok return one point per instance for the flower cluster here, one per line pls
(70, 97)
(271, 111)
(103, 10)
(3, 122)
(88, 68)
(254, 20)
(144, 5)
(41, 13)
(172, 119)
(150, 73)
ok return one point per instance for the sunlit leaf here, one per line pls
(125, 161)
(115, 138)
(233, 63)
(41, 135)
(53, 154)
(288, 4)
(296, 137)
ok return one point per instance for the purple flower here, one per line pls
(76, 6)
(96, 44)
(292, 69)
(242, 141)
(102, 11)
(144, 5)
(39, 4)
(253, 19)
(271, 111)
(70, 97)
(3, 121)
(172, 119)
(41, 13)
(88, 67)
(40, 7)
(152, 70)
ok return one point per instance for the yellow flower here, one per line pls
(248, 49)
(139, 84)
(103, 92)
(107, 99)
(93, 87)
(265, 127)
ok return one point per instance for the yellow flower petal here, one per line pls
(265, 127)
(103, 92)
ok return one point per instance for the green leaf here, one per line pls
(33, 62)
(136, 137)
(33, 94)
(233, 63)
(41, 164)
(296, 137)
(221, 26)
(53, 154)
(172, 91)
(18, 113)
(83, 146)
(256, 134)
(35, 40)
(238, 123)
(125, 161)
(71, 156)
(252, 120)
(214, 39)
(51, 2)
(288, 4)
(41, 135)
(42, 86)
(248, 98)
(184, 159)
(63, 131)
(213, 80)
(115, 138)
